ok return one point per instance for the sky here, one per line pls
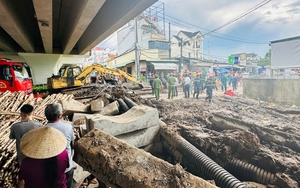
(240, 26)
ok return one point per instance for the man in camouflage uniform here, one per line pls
(157, 86)
(171, 85)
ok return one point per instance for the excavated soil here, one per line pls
(121, 165)
(232, 129)
(244, 136)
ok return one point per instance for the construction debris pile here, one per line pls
(86, 94)
(254, 140)
(10, 104)
(121, 165)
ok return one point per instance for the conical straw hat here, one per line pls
(43, 142)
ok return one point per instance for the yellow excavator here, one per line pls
(73, 76)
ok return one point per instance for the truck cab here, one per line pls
(14, 77)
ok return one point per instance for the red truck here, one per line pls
(14, 77)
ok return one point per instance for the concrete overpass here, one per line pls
(46, 33)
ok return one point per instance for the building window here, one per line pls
(161, 45)
(129, 70)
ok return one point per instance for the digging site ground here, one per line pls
(234, 129)
(255, 141)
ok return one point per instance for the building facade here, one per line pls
(188, 45)
(149, 35)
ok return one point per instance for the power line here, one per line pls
(130, 30)
(241, 16)
(226, 37)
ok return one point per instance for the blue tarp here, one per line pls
(222, 70)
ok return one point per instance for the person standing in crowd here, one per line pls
(229, 77)
(171, 85)
(191, 76)
(53, 113)
(234, 81)
(202, 81)
(26, 124)
(46, 159)
(176, 85)
(197, 86)
(148, 76)
(209, 86)
(157, 84)
(214, 80)
(187, 84)
(164, 84)
(151, 83)
(224, 82)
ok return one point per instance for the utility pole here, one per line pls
(181, 59)
(137, 61)
(169, 40)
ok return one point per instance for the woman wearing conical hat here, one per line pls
(46, 159)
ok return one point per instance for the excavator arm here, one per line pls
(104, 71)
(127, 76)
(69, 78)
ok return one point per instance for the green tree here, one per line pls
(266, 60)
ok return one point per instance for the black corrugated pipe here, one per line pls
(213, 171)
(250, 172)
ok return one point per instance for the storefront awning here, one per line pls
(165, 66)
(120, 64)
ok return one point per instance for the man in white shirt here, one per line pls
(187, 85)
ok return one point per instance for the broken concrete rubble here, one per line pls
(79, 175)
(97, 105)
(142, 137)
(110, 109)
(104, 156)
(137, 118)
(70, 106)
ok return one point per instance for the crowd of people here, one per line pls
(193, 83)
(44, 152)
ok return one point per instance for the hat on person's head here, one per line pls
(43, 142)
(26, 109)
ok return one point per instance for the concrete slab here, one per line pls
(79, 118)
(79, 175)
(110, 109)
(97, 105)
(142, 137)
(137, 118)
(71, 106)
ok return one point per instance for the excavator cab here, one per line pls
(66, 78)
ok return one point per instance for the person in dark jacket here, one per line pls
(151, 83)
(197, 86)
(224, 82)
(234, 81)
(209, 86)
